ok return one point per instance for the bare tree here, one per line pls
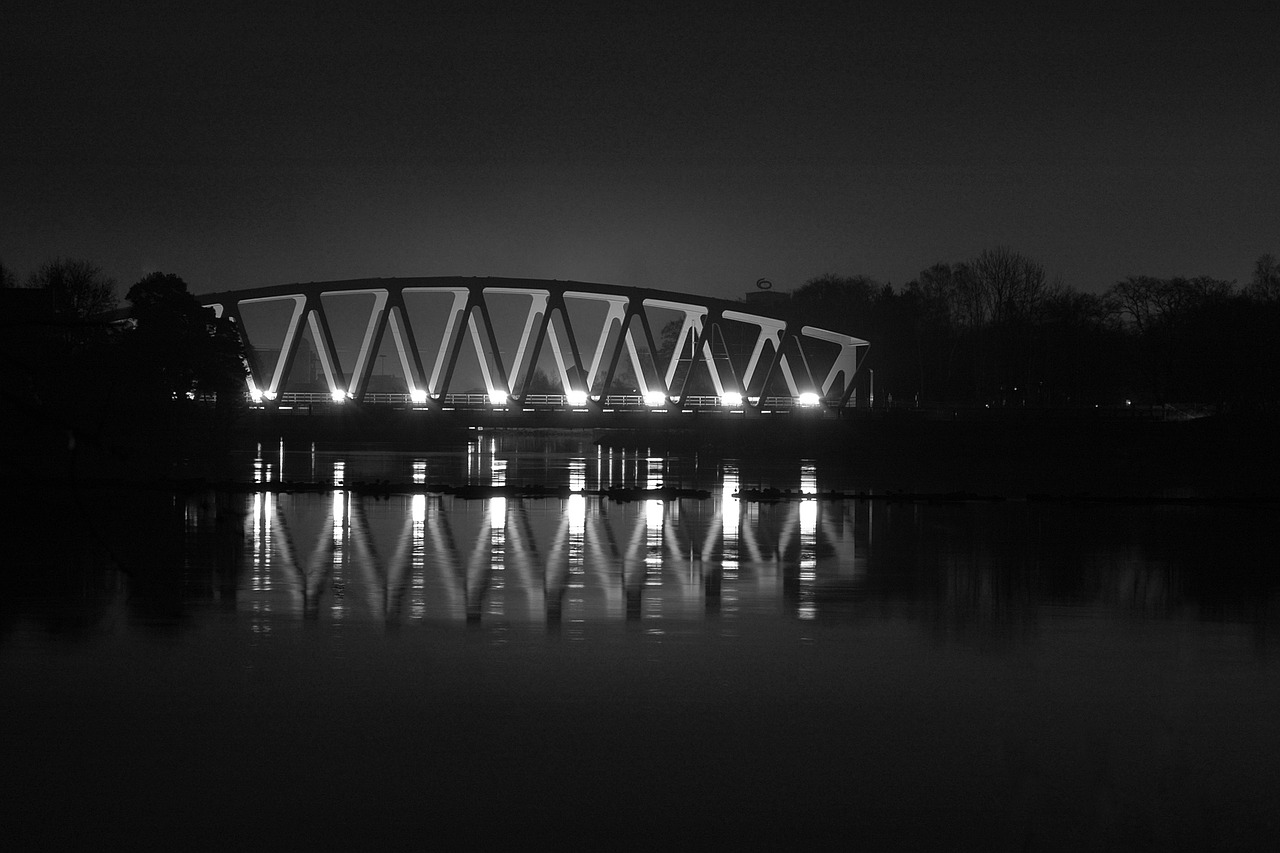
(79, 289)
(1266, 279)
(1005, 285)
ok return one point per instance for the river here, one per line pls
(378, 660)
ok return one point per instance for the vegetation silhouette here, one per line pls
(157, 383)
(100, 391)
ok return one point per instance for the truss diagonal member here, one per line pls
(368, 344)
(691, 329)
(407, 347)
(252, 373)
(627, 343)
(521, 366)
(846, 360)
(326, 349)
(450, 341)
(615, 314)
(558, 354)
(559, 306)
(770, 332)
(287, 347)
(503, 383)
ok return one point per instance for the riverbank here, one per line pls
(1010, 453)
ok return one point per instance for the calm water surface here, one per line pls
(265, 668)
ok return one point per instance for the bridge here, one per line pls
(527, 344)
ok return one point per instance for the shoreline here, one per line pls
(1008, 453)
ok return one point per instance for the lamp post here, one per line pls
(871, 399)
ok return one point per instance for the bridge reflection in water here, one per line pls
(580, 558)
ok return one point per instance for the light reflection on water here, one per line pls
(574, 558)
(568, 560)
(428, 556)
(520, 461)
(1009, 675)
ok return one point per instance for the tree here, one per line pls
(1177, 326)
(1265, 286)
(934, 302)
(180, 348)
(79, 290)
(1006, 285)
(7, 278)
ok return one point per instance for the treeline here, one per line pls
(995, 330)
(83, 372)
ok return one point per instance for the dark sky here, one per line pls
(695, 147)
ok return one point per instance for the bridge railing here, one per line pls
(632, 402)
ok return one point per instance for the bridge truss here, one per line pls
(676, 350)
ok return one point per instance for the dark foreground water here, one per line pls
(338, 668)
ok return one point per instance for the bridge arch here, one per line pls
(743, 359)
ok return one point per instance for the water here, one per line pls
(356, 666)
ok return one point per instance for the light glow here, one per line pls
(731, 399)
(576, 513)
(653, 512)
(576, 398)
(337, 395)
(808, 398)
(417, 395)
(497, 397)
(654, 399)
(730, 507)
(497, 514)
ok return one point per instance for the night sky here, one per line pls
(695, 147)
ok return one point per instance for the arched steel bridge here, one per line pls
(584, 337)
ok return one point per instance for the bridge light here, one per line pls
(337, 395)
(418, 396)
(655, 399)
(498, 397)
(808, 398)
(576, 398)
(255, 394)
(731, 399)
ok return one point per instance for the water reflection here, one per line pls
(582, 557)
(964, 568)
(416, 554)
(1032, 672)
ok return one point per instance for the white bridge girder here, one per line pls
(586, 356)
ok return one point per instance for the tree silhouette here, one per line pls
(79, 289)
(181, 349)
(7, 278)
(1266, 279)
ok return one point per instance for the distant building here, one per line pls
(763, 299)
